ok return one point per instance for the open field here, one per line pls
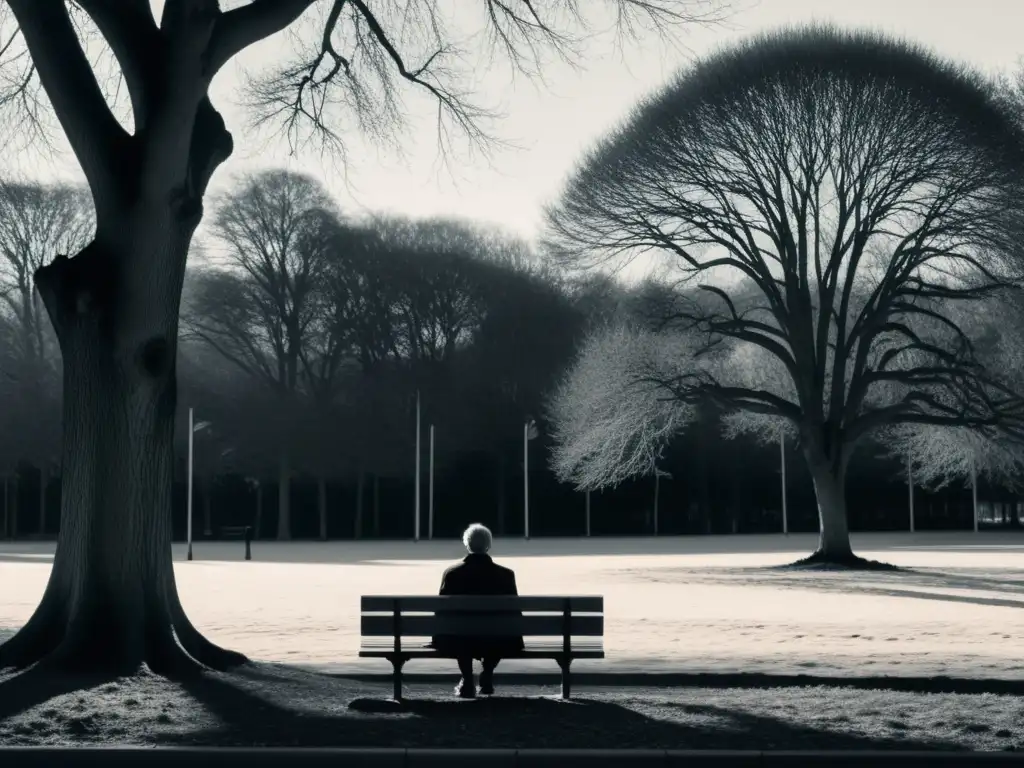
(674, 605)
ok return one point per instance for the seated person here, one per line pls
(478, 574)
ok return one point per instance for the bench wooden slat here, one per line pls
(426, 653)
(529, 603)
(469, 624)
(532, 645)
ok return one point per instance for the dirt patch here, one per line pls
(275, 705)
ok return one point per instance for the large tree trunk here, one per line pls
(44, 480)
(360, 486)
(284, 496)
(321, 498)
(830, 491)
(111, 603)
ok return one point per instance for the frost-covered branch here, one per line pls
(611, 422)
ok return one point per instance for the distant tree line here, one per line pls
(306, 335)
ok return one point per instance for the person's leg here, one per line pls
(487, 675)
(466, 689)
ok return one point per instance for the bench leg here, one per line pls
(565, 664)
(397, 664)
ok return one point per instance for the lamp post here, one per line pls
(658, 474)
(416, 529)
(192, 429)
(910, 490)
(529, 433)
(782, 457)
(974, 493)
(430, 500)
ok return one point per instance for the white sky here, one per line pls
(553, 124)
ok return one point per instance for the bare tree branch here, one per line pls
(239, 28)
(66, 74)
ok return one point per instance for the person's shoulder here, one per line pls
(504, 569)
(454, 567)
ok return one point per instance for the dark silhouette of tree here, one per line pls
(837, 193)
(261, 311)
(36, 220)
(111, 602)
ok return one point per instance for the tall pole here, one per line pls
(416, 530)
(588, 513)
(430, 505)
(191, 437)
(526, 479)
(974, 493)
(910, 490)
(785, 511)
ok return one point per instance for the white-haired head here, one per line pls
(477, 538)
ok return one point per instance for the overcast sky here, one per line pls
(554, 122)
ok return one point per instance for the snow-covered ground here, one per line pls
(672, 604)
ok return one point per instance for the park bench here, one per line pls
(235, 532)
(552, 627)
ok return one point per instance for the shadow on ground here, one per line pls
(278, 705)
(245, 717)
(660, 681)
(912, 583)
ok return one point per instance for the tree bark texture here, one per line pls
(111, 602)
(829, 476)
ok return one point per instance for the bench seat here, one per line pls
(563, 629)
(382, 648)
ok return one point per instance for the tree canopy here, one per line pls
(838, 194)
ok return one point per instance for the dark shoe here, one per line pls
(465, 690)
(486, 683)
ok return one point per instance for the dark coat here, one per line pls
(478, 574)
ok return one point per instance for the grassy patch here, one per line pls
(273, 705)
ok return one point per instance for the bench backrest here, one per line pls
(532, 616)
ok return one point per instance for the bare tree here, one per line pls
(111, 602)
(261, 310)
(854, 188)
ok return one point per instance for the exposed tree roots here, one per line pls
(822, 561)
(166, 643)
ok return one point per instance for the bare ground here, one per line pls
(276, 705)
